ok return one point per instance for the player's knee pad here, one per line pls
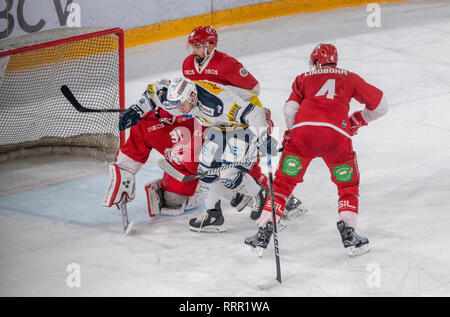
(346, 175)
(122, 184)
(168, 203)
(231, 178)
(155, 197)
(292, 167)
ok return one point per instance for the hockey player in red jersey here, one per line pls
(317, 116)
(170, 136)
(208, 63)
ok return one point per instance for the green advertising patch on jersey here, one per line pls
(343, 173)
(291, 165)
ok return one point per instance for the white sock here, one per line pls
(349, 217)
(265, 217)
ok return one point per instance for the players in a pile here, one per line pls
(208, 63)
(317, 116)
(170, 136)
(157, 130)
(230, 140)
(239, 131)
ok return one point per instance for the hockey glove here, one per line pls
(356, 121)
(122, 184)
(149, 101)
(260, 146)
(287, 138)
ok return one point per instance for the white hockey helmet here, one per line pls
(179, 91)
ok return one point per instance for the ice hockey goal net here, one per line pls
(35, 118)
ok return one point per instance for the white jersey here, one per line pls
(219, 106)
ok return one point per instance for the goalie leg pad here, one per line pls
(122, 184)
(155, 199)
(174, 204)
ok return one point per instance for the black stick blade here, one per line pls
(74, 102)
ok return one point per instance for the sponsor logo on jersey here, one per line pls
(210, 71)
(205, 109)
(189, 72)
(278, 207)
(211, 87)
(345, 204)
(155, 127)
(243, 72)
(343, 173)
(233, 112)
(291, 166)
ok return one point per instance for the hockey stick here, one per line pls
(169, 169)
(126, 226)
(274, 216)
(71, 98)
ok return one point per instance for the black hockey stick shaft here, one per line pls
(71, 98)
(274, 216)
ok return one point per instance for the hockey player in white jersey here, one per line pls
(239, 131)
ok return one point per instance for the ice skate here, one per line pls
(258, 203)
(209, 221)
(294, 208)
(240, 201)
(261, 239)
(353, 243)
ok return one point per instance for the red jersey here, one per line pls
(324, 96)
(219, 68)
(171, 140)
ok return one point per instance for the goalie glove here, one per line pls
(149, 101)
(356, 121)
(122, 184)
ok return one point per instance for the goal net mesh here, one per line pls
(34, 113)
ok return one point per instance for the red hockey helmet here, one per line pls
(203, 34)
(323, 54)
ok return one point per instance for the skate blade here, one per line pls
(255, 251)
(281, 225)
(353, 251)
(292, 214)
(219, 229)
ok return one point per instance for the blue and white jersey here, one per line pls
(219, 106)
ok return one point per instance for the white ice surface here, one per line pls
(403, 160)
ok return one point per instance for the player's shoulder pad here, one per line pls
(209, 103)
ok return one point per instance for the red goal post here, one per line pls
(35, 117)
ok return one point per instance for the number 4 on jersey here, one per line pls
(328, 88)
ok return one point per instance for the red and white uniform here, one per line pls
(226, 70)
(171, 140)
(319, 102)
(222, 69)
